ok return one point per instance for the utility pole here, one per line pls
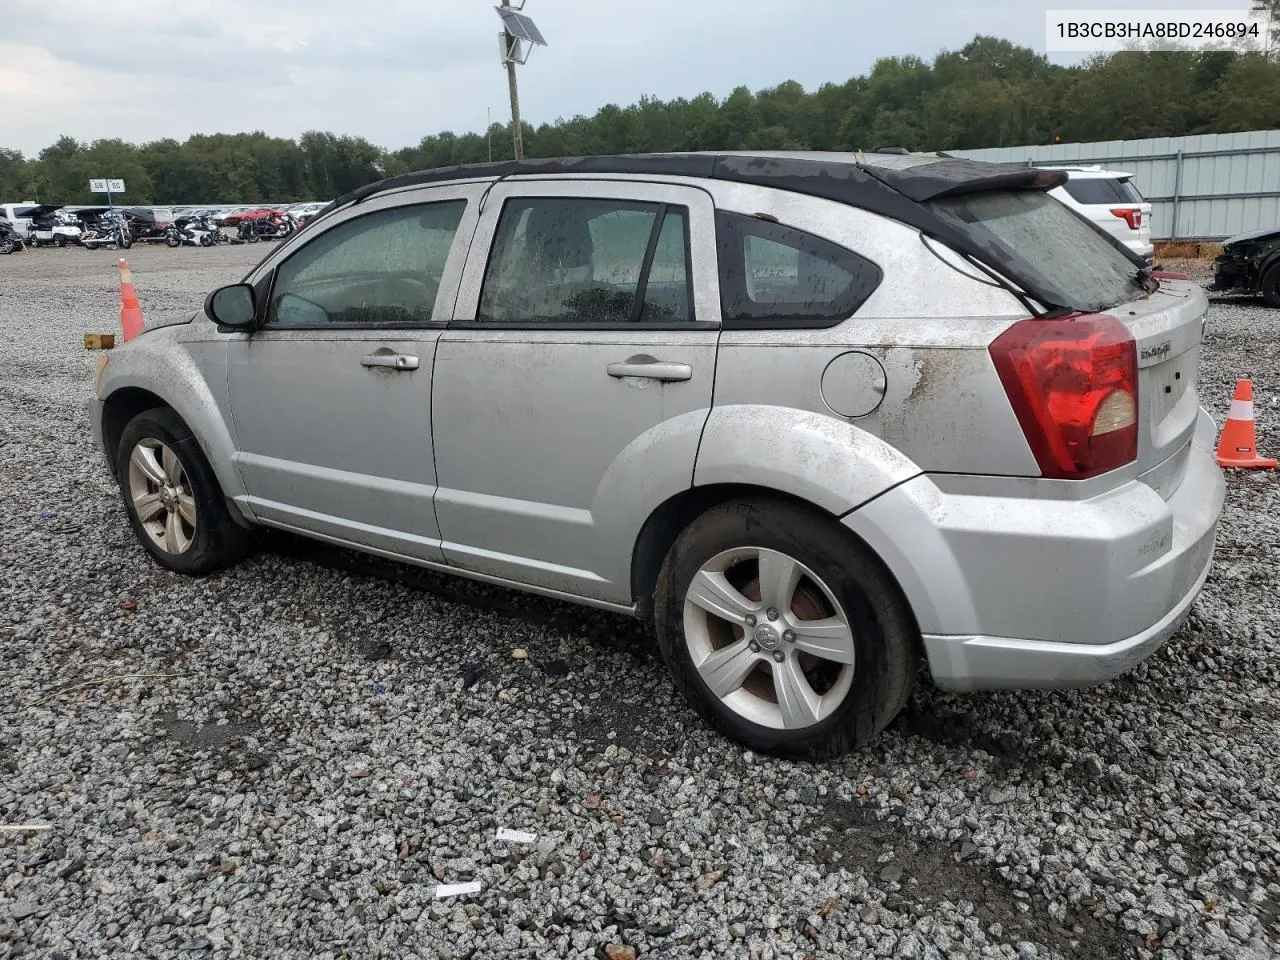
(1271, 10)
(518, 37)
(513, 53)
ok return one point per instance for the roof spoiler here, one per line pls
(950, 176)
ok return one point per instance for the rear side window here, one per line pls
(773, 275)
(1103, 190)
(1059, 257)
(572, 260)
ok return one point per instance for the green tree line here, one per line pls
(990, 93)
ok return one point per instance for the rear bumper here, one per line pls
(996, 663)
(1142, 248)
(1015, 591)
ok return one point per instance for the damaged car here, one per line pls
(815, 418)
(1250, 263)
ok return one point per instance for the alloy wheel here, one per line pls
(161, 493)
(769, 638)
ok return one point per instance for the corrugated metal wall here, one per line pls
(1205, 187)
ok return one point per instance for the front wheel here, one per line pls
(7, 246)
(172, 497)
(252, 237)
(126, 241)
(783, 631)
(172, 240)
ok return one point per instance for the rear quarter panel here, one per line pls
(927, 324)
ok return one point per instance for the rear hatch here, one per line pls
(1068, 269)
(1167, 327)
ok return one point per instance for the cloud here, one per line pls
(396, 70)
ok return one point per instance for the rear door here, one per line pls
(571, 389)
(331, 397)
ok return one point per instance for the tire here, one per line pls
(59, 241)
(206, 240)
(1269, 286)
(197, 538)
(7, 246)
(172, 240)
(252, 237)
(841, 705)
(127, 242)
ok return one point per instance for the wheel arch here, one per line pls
(673, 516)
(117, 410)
(185, 391)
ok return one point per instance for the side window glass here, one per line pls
(575, 260)
(666, 295)
(379, 270)
(776, 276)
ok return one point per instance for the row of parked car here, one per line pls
(32, 224)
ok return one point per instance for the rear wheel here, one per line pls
(173, 499)
(1270, 285)
(783, 631)
(59, 241)
(7, 246)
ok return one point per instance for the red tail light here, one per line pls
(1131, 216)
(1073, 384)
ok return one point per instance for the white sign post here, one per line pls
(106, 186)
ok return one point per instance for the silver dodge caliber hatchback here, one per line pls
(816, 416)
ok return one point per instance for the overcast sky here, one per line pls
(395, 70)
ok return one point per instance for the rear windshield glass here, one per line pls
(1058, 257)
(1103, 190)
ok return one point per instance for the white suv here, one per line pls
(1110, 199)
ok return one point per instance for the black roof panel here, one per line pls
(850, 178)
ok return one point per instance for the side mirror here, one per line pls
(234, 306)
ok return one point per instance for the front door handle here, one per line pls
(648, 368)
(396, 361)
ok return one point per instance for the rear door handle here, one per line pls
(396, 361)
(648, 368)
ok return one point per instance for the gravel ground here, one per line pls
(287, 759)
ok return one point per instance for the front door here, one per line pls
(331, 396)
(571, 389)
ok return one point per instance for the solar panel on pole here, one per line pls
(517, 31)
(519, 25)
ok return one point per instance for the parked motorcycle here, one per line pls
(110, 230)
(275, 226)
(197, 231)
(10, 240)
(149, 226)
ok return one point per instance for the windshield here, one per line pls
(1057, 256)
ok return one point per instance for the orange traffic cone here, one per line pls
(130, 310)
(1238, 447)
